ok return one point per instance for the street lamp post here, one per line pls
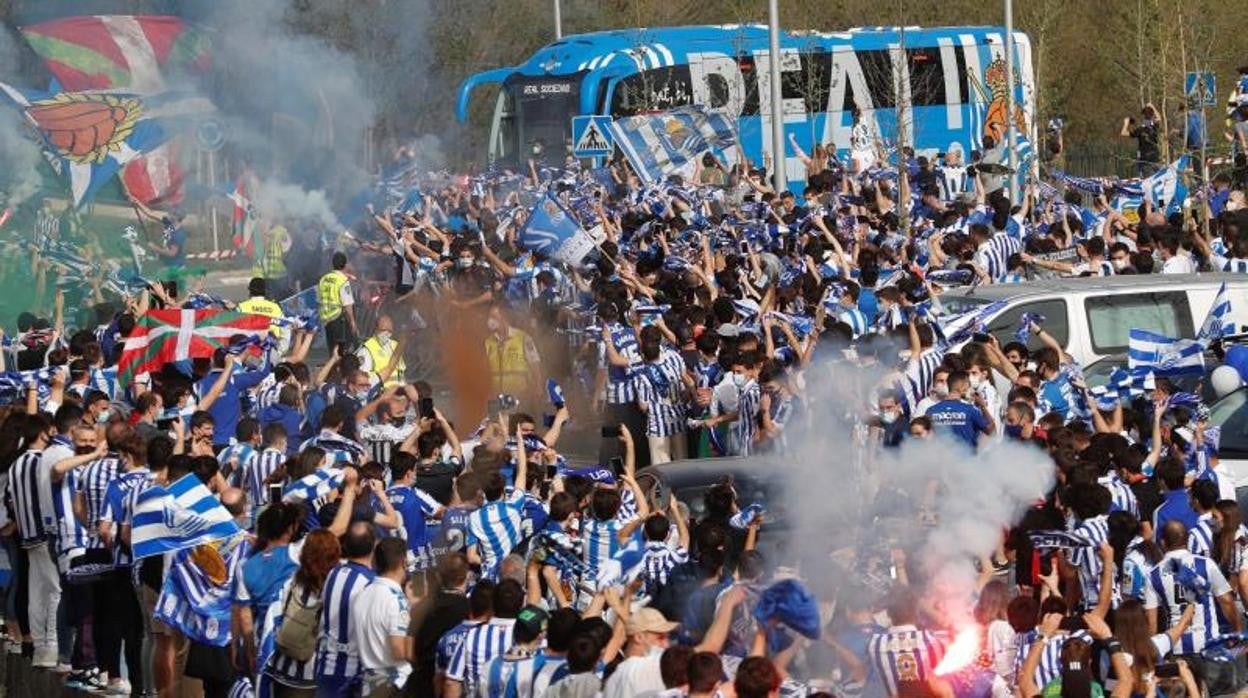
(558, 21)
(779, 180)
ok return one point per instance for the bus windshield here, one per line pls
(539, 110)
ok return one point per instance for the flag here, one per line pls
(1084, 184)
(552, 232)
(1118, 389)
(1218, 322)
(181, 515)
(92, 135)
(137, 53)
(244, 219)
(301, 309)
(1165, 188)
(197, 593)
(661, 144)
(313, 487)
(959, 328)
(625, 566)
(1164, 355)
(787, 604)
(166, 336)
(1023, 333)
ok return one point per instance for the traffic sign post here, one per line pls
(591, 136)
(1202, 89)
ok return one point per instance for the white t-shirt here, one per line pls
(379, 613)
(636, 676)
(1178, 264)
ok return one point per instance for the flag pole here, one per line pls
(1009, 100)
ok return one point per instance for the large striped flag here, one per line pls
(1164, 356)
(244, 218)
(136, 53)
(1218, 322)
(166, 336)
(180, 515)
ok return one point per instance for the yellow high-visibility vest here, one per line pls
(508, 362)
(329, 295)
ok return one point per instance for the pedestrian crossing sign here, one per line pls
(1202, 89)
(591, 136)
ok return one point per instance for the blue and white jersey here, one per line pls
(117, 509)
(600, 541)
(71, 536)
(337, 654)
(659, 385)
(513, 675)
(414, 506)
(1121, 498)
(496, 529)
(1050, 667)
(620, 388)
(1165, 587)
(233, 460)
(857, 320)
(1087, 560)
(338, 448)
(1134, 573)
(952, 180)
(257, 471)
(746, 426)
(918, 377)
(1232, 265)
(660, 559)
(93, 484)
(1200, 538)
(993, 255)
(25, 476)
(480, 645)
(901, 657)
(448, 644)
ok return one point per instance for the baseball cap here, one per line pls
(649, 620)
(530, 623)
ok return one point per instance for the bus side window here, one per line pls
(1055, 323)
(1111, 318)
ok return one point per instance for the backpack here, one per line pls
(297, 635)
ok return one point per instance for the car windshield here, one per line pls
(1230, 414)
(956, 305)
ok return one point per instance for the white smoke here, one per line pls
(833, 484)
(289, 203)
(20, 156)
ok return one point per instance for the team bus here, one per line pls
(953, 78)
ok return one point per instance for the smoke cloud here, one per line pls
(290, 203)
(20, 155)
(871, 497)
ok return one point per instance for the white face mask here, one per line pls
(384, 337)
(976, 381)
(1120, 264)
(492, 324)
(888, 417)
(940, 390)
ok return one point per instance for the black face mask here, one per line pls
(84, 450)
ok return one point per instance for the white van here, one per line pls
(1092, 316)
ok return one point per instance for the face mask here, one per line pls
(463, 263)
(888, 417)
(1120, 264)
(492, 324)
(1014, 431)
(384, 337)
(940, 390)
(102, 417)
(362, 395)
(84, 450)
(976, 381)
(739, 379)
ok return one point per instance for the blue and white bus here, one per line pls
(953, 77)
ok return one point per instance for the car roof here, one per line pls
(1125, 282)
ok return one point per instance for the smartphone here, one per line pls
(744, 247)
(1166, 671)
(551, 471)
(425, 407)
(611, 431)
(275, 493)
(980, 338)
(617, 466)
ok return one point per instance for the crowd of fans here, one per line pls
(385, 550)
